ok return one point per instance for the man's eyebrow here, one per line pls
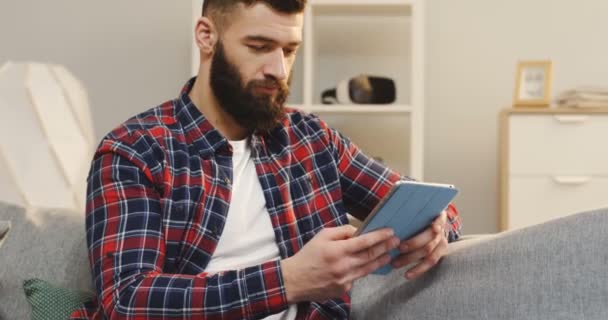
(269, 40)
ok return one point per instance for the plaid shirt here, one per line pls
(158, 195)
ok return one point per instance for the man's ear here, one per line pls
(205, 35)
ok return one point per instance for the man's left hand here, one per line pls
(426, 249)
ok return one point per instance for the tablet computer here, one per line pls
(409, 208)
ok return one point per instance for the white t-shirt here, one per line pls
(248, 238)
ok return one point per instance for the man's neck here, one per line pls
(203, 98)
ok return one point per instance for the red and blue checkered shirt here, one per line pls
(157, 199)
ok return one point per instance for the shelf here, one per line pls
(358, 109)
(339, 52)
(346, 38)
(362, 7)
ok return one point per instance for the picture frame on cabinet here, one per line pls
(533, 84)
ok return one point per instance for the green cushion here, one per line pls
(49, 302)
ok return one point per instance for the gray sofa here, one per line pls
(558, 270)
(45, 244)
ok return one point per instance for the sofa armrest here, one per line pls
(548, 271)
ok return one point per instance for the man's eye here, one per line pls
(289, 52)
(258, 48)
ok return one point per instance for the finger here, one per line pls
(369, 267)
(366, 241)
(427, 263)
(373, 253)
(418, 241)
(421, 253)
(338, 233)
(440, 222)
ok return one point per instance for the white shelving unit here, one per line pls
(362, 108)
(345, 38)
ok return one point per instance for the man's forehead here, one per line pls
(261, 22)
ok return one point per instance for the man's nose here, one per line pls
(275, 67)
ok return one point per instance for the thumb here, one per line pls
(340, 233)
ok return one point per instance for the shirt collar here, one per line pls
(203, 136)
(198, 130)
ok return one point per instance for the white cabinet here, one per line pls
(345, 38)
(553, 164)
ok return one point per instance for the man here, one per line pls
(224, 204)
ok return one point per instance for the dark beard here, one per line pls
(251, 111)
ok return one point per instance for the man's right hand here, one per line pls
(329, 263)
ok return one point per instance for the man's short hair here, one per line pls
(218, 10)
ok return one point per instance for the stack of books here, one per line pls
(584, 97)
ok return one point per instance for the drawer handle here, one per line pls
(570, 119)
(572, 180)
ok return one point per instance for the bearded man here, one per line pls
(225, 204)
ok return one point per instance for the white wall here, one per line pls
(472, 48)
(131, 54)
(134, 54)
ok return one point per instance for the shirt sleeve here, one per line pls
(365, 181)
(126, 246)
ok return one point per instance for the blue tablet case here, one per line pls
(409, 209)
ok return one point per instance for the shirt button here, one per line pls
(227, 181)
(179, 211)
(214, 231)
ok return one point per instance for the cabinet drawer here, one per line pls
(534, 200)
(558, 144)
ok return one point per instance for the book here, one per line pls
(584, 97)
(579, 103)
(591, 90)
(408, 209)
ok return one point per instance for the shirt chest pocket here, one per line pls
(301, 189)
(312, 195)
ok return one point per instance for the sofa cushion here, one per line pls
(48, 244)
(556, 270)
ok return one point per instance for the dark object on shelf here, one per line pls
(362, 89)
